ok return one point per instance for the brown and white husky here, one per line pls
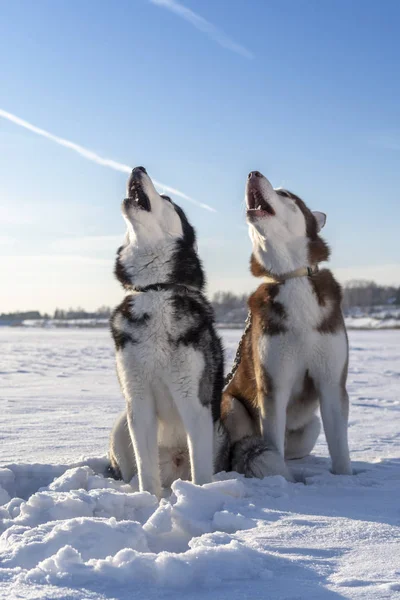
(294, 356)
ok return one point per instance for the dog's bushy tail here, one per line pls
(253, 458)
(248, 456)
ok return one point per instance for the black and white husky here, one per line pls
(169, 358)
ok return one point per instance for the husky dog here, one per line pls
(169, 358)
(294, 356)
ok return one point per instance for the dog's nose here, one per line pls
(254, 174)
(136, 169)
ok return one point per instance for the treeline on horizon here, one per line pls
(361, 294)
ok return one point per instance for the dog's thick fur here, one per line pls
(295, 355)
(169, 358)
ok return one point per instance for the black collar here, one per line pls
(159, 287)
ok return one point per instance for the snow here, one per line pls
(68, 532)
(373, 317)
(356, 317)
(371, 323)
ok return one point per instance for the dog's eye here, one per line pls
(166, 197)
(283, 193)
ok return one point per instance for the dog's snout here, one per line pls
(126, 203)
(253, 174)
(136, 169)
(135, 178)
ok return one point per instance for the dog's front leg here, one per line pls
(195, 412)
(142, 424)
(197, 421)
(200, 434)
(334, 403)
(273, 427)
(143, 427)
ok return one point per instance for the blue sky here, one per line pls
(199, 93)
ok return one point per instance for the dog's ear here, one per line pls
(320, 217)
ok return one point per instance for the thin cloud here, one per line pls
(89, 155)
(387, 141)
(203, 25)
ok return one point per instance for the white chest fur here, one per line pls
(303, 312)
(301, 347)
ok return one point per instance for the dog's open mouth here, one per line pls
(137, 197)
(257, 205)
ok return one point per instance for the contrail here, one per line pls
(203, 25)
(89, 155)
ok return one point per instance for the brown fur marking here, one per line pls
(268, 314)
(243, 385)
(318, 249)
(328, 290)
(256, 269)
(251, 379)
(307, 395)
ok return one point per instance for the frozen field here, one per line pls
(70, 533)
